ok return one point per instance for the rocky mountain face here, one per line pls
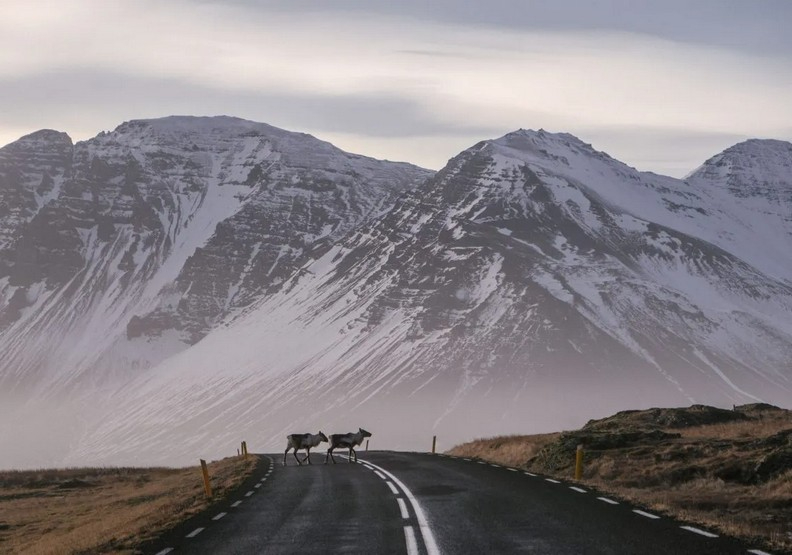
(125, 248)
(531, 284)
(218, 280)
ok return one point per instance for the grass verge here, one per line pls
(104, 510)
(726, 470)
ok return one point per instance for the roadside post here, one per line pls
(207, 485)
(434, 444)
(579, 462)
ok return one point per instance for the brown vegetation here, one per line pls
(728, 470)
(104, 510)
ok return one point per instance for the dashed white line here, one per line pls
(165, 551)
(218, 516)
(644, 513)
(468, 460)
(236, 503)
(248, 494)
(409, 539)
(552, 481)
(393, 488)
(423, 524)
(512, 469)
(403, 508)
(529, 474)
(579, 490)
(257, 486)
(380, 474)
(699, 531)
(194, 533)
(606, 500)
(758, 552)
(495, 465)
(481, 462)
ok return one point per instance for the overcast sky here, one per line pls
(659, 85)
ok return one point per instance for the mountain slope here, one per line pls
(122, 250)
(533, 283)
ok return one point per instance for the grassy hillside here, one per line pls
(103, 510)
(727, 469)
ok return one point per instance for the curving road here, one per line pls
(427, 504)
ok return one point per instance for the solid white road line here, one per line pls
(236, 503)
(420, 516)
(409, 539)
(611, 501)
(248, 494)
(552, 481)
(403, 508)
(218, 516)
(380, 474)
(165, 551)
(580, 490)
(699, 531)
(644, 513)
(393, 488)
(529, 474)
(194, 533)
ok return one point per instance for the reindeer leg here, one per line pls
(308, 455)
(330, 454)
(296, 457)
(352, 452)
(284, 455)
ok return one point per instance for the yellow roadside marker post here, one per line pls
(207, 485)
(579, 462)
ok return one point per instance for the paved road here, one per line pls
(427, 504)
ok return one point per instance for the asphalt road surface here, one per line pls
(427, 504)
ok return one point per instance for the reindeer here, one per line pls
(302, 441)
(346, 440)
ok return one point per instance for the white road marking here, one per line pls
(495, 465)
(248, 494)
(423, 524)
(481, 462)
(165, 551)
(580, 490)
(409, 539)
(699, 531)
(257, 486)
(611, 501)
(512, 469)
(263, 480)
(529, 474)
(403, 508)
(218, 516)
(393, 488)
(643, 513)
(380, 474)
(236, 503)
(194, 533)
(552, 481)
(758, 552)
(467, 460)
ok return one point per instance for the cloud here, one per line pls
(359, 73)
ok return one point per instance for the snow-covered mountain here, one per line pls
(531, 284)
(121, 250)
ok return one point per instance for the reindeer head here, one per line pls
(321, 435)
(364, 433)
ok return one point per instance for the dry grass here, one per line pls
(103, 510)
(506, 450)
(735, 477)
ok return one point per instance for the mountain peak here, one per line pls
(755, 166)
(45, 136)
